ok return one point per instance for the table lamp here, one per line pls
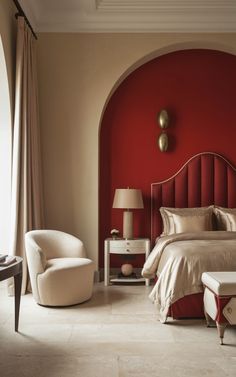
(128, 199)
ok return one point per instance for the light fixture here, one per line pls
(128, 199)
(163, 121)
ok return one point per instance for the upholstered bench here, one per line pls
(220, 299)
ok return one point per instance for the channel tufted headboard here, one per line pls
(206, 178)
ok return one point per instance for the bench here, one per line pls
(220, 299)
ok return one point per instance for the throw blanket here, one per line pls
(179, 261)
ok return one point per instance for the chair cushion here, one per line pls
(66, 281)
(66, 263)
(222, 283)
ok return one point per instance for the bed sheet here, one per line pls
(180, 259)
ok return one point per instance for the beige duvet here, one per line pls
(179, 261)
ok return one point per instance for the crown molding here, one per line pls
(151, 5)
(134, 16)
(31, 10)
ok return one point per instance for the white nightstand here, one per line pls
(127, 247)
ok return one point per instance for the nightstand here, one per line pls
(125, 247)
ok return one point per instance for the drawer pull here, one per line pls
(128, 250)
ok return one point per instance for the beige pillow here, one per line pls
(232, 220)
(226, 218)
(168, 220)
(197, 223)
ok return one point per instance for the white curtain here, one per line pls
(26, 200)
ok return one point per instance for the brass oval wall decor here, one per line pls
(163, 119)
(163, 142)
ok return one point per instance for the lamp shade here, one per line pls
(128, 198)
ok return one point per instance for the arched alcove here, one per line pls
(5, 154)
(197, 86)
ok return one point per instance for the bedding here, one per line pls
(226, 218)
(178, 220)
(178, 260)
(191, 223)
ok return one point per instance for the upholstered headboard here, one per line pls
(206, 178)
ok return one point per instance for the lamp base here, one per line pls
(128, 224)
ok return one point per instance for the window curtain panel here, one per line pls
(26, 201)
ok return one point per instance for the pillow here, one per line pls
(226, 218)
(196, 223)
(232, 220)
(169, 226)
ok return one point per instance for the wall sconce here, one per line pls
(163, 121)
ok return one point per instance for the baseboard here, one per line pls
(97, 277)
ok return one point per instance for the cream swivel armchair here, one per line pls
(60, 273)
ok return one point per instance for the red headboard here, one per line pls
(206, 178)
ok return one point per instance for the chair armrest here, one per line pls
(36, 263)
(35, 256)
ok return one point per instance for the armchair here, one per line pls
(60, 273)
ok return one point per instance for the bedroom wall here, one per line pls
(77, 75)
(198, 88)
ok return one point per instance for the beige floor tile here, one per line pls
(59, 366)
(196, 329)
(125, 333)
(183, 366)
(115, 334)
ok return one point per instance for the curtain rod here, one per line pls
(22, 13)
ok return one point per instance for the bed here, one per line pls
(195, 231)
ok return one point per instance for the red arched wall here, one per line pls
(198, 88)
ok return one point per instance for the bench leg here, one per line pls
(208, 318)
(221, 329)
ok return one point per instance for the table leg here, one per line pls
(147, 281)
(107, 264)
(17, 284)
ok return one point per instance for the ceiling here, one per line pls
(131, 15)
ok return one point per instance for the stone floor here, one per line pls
(115, 334)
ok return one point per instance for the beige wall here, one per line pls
(77, 73)
(8, 35)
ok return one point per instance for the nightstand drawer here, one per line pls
(128, 250)
(127, 246)
(126, 243)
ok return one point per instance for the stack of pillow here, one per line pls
(179, 220)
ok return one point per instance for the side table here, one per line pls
(14, 270)
(125, 247)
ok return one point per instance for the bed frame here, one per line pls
(206, 178)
